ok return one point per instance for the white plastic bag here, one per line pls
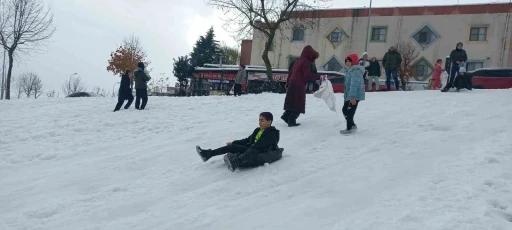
(326, 93)
(444, 78)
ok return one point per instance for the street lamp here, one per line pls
(368, 27)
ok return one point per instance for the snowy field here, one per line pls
(421, 160)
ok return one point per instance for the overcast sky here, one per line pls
(88, 30)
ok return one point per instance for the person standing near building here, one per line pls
(295, 100)
(391, 62)
(374, 73)
(458, 57)
(125, 92)
(436, 76)
(141, 86)
(241, 76)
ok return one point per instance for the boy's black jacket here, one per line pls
(267, 142)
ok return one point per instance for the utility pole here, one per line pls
(368, 27)
(3, 77)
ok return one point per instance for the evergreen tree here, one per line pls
(182, 71)
(204, 50)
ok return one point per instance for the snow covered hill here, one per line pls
(420, 160)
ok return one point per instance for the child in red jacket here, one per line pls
(436, 76)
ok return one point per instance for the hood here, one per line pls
(364, 53)
(309, 53)
(354, 58)
(459, 43)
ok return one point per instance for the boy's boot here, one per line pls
(204, 154)
(231, 161)
(292, 119)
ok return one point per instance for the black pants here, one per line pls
(349, 111)
(141, 94)
(122, 97)
(237, 90)
(290, 117)
(248, 157)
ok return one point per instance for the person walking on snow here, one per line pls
(239, 80)
(436, 76)
(310, 84)
(141, 86)
(363, 61)
(256, 150)
(374, 72)
(354, 91)
(391, 62)
(458, 57)
(295, 100)
(125, 92)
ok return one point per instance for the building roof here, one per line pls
(408, 11)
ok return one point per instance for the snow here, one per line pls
(420, 160)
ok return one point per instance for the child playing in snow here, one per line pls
(354, 91)
(256, 150)
(436, 76)
(462, 80)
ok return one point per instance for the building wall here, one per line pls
(452, 25)
(245, 52)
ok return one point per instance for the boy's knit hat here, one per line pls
(462, 70)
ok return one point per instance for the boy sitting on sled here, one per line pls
(256, 150)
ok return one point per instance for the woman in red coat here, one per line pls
(295, 101)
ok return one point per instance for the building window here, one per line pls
(336, 36)
(478, 34)
(298, 34)
(333, 65)
(422, 69)
(379, 34)
(470, 66)
(425, 36)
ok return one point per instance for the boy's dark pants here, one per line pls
(248, 157)
(349, 111)
(127, 95)
(141, 94)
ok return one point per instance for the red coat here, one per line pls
(296, 92)
(437, 72)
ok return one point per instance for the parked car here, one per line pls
(491, 78)
(84, 94)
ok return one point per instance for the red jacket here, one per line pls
(437, 72)
(296, 92)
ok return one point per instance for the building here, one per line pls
(485, 30)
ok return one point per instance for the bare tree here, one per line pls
(100, 91)
(96, 90)
(24, 26)
(73, 85)
(409, 55)
(19, 87)
(30, 84)
(52, 93)
(267, 17)
(37, 86)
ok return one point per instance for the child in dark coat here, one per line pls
(256, 150)
(462, 80)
